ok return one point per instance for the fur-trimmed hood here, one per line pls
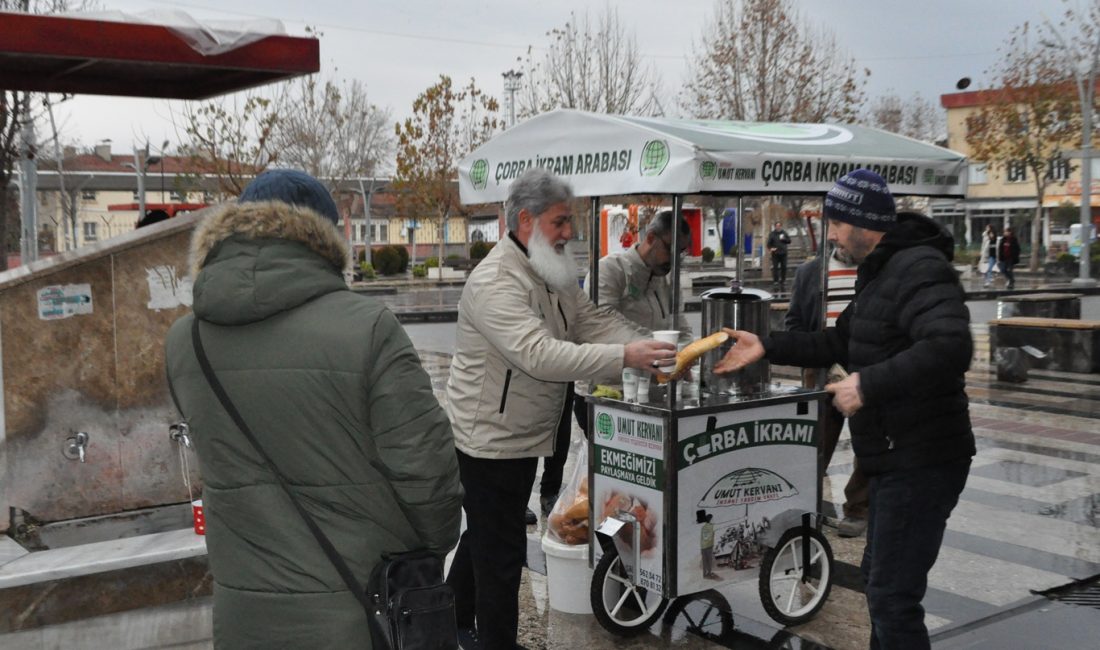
(268, 220)
(252, 260)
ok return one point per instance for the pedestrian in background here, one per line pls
(778, 241)
(989, 253)
(1008, 255)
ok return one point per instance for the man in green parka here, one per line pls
(334, 391)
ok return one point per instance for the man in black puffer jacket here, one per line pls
(905, 340)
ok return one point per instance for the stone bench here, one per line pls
(1041, 305)
(1071, 345)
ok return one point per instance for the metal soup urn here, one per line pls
(741, 309)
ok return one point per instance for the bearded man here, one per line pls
(525, 330)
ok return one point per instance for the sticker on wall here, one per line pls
(166, 289)
(63, 301)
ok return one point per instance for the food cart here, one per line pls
(688, 495)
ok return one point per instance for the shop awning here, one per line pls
(76, 55)
(610, 155)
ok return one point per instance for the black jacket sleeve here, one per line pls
(819, 349)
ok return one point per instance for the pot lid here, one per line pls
(741, 293)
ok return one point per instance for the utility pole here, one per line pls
(28, 195)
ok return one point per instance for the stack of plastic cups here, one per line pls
(630, 385)
(643, 387)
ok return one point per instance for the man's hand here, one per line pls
(846, 395)
(648, 355)
(746, 349)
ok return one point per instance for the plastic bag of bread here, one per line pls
(568, 521)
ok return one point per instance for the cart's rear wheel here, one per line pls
(705, 614)
(791, 593)
(619, 605)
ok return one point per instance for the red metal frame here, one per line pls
(170, 208)
(74, 55)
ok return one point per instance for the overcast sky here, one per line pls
(400, 47)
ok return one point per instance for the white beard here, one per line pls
(556, 269)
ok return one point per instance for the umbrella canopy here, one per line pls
(607, 155)
(745, 486)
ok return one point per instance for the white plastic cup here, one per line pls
(667, 336)
(643, 387)
(630, 385)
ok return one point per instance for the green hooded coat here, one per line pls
(331, 386)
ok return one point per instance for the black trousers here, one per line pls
(487, 566)
(779, 268)
(554, 466)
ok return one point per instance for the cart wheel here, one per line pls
(706, 614)
(788, 598)
(619, 605)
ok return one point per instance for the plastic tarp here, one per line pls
(207, 37)
(608, 155)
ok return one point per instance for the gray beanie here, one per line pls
(294, 188)
(862, 199)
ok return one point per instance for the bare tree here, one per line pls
(446, 124)
(1023, 125)
(17, 109)
(887, 112)
(915, 117)
(923, 121)
(762, 62)
(229, 139)
(332, 131)
(1075, 43)
(591, 67)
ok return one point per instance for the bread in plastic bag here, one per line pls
(568, 521)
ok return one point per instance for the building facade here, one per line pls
(1005, 194)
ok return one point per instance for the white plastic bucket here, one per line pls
(568, 577)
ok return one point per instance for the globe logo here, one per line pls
(707, 169)
(605, 427)
(479, 173)
(655, 157)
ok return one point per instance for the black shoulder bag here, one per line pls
(408, 605)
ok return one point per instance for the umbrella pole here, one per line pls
(741, 238)
(674, 284)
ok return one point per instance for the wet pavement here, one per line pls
(1028, 521)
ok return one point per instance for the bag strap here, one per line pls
(330, 550)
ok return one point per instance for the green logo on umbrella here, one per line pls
(479, 173)
(655, 157)
(605, 426)
(707, 169)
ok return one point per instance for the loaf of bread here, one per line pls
(691, 353)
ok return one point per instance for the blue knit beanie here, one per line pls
(292, 187)
(861, 198)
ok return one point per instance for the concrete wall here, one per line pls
(82, 349)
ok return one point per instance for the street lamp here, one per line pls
(141, 163)
(511, 85)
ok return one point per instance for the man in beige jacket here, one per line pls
(525, 330)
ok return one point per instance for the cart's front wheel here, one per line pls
(619, 605)
(790, 592)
